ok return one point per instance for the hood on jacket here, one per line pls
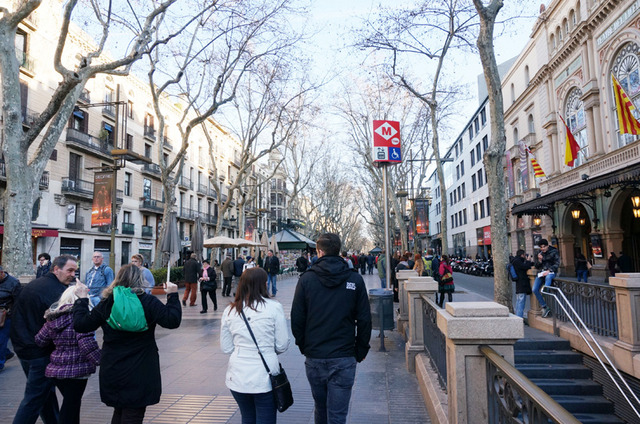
(59, 318)
(332, 271)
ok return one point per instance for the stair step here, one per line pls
(568, 387)
(584, 404)
(560, 371)
(598, 419)
(535, 344)
(547, 357)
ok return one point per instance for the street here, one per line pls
(480, 286)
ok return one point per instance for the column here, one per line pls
(627, 288)
(415, 287)
(467, 326)
(591, 134)
(597, 128)
(403, 318)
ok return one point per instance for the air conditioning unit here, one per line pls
(68, 185)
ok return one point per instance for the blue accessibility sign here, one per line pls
(395, 154)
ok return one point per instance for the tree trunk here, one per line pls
(494, 156)
(441, 182)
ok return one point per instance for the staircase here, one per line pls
(556, 369)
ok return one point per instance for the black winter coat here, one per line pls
(9, 290)
(28, 315)
(191, 270)
(521, 265)
(130, 365)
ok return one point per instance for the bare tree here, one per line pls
(428, 31)
(26, 152)
(493, 156)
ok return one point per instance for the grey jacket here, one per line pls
(550, 260)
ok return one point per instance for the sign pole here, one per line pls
(387, 245)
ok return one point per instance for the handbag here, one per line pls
(3, 316)
(280, 385)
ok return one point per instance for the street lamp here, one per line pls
(575, 213)
(537, 221)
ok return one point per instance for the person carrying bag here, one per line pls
(445, 284)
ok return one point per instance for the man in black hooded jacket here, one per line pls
(331, 322)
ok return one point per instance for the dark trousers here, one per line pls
(256, 408)
(331, 381)
(440, 302)
(39, 394)
(212, 295)
(226, 288)
(128, 415)
(72, 390)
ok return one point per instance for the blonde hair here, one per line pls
(419, 265)
(128, 276)
(68, 297)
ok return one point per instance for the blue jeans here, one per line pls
(271, 284)
(583, 275)
(383, 282)
(4, 340)
(39, 394)
(331, 381)
(521, 300)
(256, 408)
(537, 285)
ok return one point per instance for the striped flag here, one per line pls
(537, 169)
(571, 147)
(626, 121)
(522, 150)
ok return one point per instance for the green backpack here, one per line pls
(427, 265)
(127, 313)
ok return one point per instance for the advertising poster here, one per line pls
(596, 245)
(249, 227)
(422, 220)
(102, 189)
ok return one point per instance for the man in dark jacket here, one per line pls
(227, 275)
(191, 273)
(302, 263)
(625, 263)
(9, 290)
(44, 264)
(238, 267)
(331, 323)
(28, 318)
(370, 262)
(523, 287)
(548, 263)
(272, 266)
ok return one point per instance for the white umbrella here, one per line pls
(170, 242)
(220, 241)
(274, 244)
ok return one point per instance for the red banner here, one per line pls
(101, 208)
(487, 235)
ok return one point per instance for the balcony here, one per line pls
(185, 183)
(187, 214)
(75, 226)
(28, 117)
(150, 133)
(85, 97)
(43, 183)
(151, 205)
(166, 143)
(106, 229)
(109, 110)
(212, 193)
(152, 170)
(203, 189)
(147, 231)
(530, 139)
(88, 144)
(128, 228)
(79, 189)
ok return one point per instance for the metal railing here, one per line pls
(513, 398)
(109, 110)
(147, 231)
(435, 343)
(87, 140)
(152, 204)
(25, 60)
(128, 228)
(595, 303)
(150, 132)
(185, 182)
(563, 303)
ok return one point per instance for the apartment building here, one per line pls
(591, 206)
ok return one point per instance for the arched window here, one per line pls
(572, 18)
(575, 117)
(565, 27)
(530, 125)
(515, 136)
(553, 42)
(625, 68)
(559, 35)
(513, 94)
(527, 79)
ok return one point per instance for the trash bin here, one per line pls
(381, 302)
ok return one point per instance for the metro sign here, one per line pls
(386, 142)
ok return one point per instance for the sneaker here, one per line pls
(184, 302)
(546, 312)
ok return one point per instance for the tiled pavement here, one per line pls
(193, 369)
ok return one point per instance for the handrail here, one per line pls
(546, 290)
(547, 404)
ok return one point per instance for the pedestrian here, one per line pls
(98, 278)
(9, 290)
(382, 270)
(150, 282)
(130, 365)
(227, 275)
(362, 261)
(612, 264)
(272, 266)
(191, 272)
(445, 284)
(246, 377)
(74, 357)
(208, 286)
(347, 259)
(302, 263)
(548, 263)
(582, 270)
(395, 260)
(521, 264)
(370, 262)
(404, 263)
(410, 261)
(250, 263)
(27, 319)
(625, 264)
(314, 258)
(418, 265)
(331, 323)
(238, 267)
(44, 264)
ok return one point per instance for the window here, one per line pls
(473, 157)
(470, 132)
(451, 198)
(482, 209)
(456, 149)
(462, 168)
(527, 80)
(452, 221)
(485, 143)
(130, 109)
(572, 18)
(480, 181)
(627, 72)
(126, 216)
(147, 150)
(476, 124)
(106, 135)
(464, 193)
(531, 125)
(513, 93)
(146, 188)
(575, 117)
(127, 184)
(459, 192)
(478, 152)
(553, 42)
(483, 116)
(458, 172)
(559, 35)
(475, 211)
(474, 183)
(79, 120)
(129, 142)
(464, 216)
(488, 206)
(565, 27)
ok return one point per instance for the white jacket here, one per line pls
(246, 372)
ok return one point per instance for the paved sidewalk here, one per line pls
(193, 370)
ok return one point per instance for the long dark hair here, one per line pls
(252, 289)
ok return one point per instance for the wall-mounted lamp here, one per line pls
(575, 213)
(635, 200)
(636, 213)
(584, 177)
(582, 221)
(537, 221)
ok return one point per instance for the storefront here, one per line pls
(37, 232)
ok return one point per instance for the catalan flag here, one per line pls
(537, 169)
(572, 147)
(626, 121)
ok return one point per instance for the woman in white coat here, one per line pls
(247, 377)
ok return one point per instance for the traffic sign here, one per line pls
(386, 142)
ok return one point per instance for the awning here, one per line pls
(38, 231)
(541, 205)
(288, 240)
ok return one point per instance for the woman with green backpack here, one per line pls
(130, 366)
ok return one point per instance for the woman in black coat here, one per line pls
(523, 284)
(130, 366)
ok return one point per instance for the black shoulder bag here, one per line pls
(282, 394)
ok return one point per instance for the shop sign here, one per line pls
(487, 235)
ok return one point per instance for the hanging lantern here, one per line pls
(636, 213)
(582, 221)
(537, 221)
(575, 213)
(635, 200)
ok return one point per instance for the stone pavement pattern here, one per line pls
(193, 370)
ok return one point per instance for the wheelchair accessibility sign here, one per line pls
(386, 142)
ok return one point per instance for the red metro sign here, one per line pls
(386, 142)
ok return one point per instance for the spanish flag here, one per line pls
(537, 169)
(626, 121)
(571, 147)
